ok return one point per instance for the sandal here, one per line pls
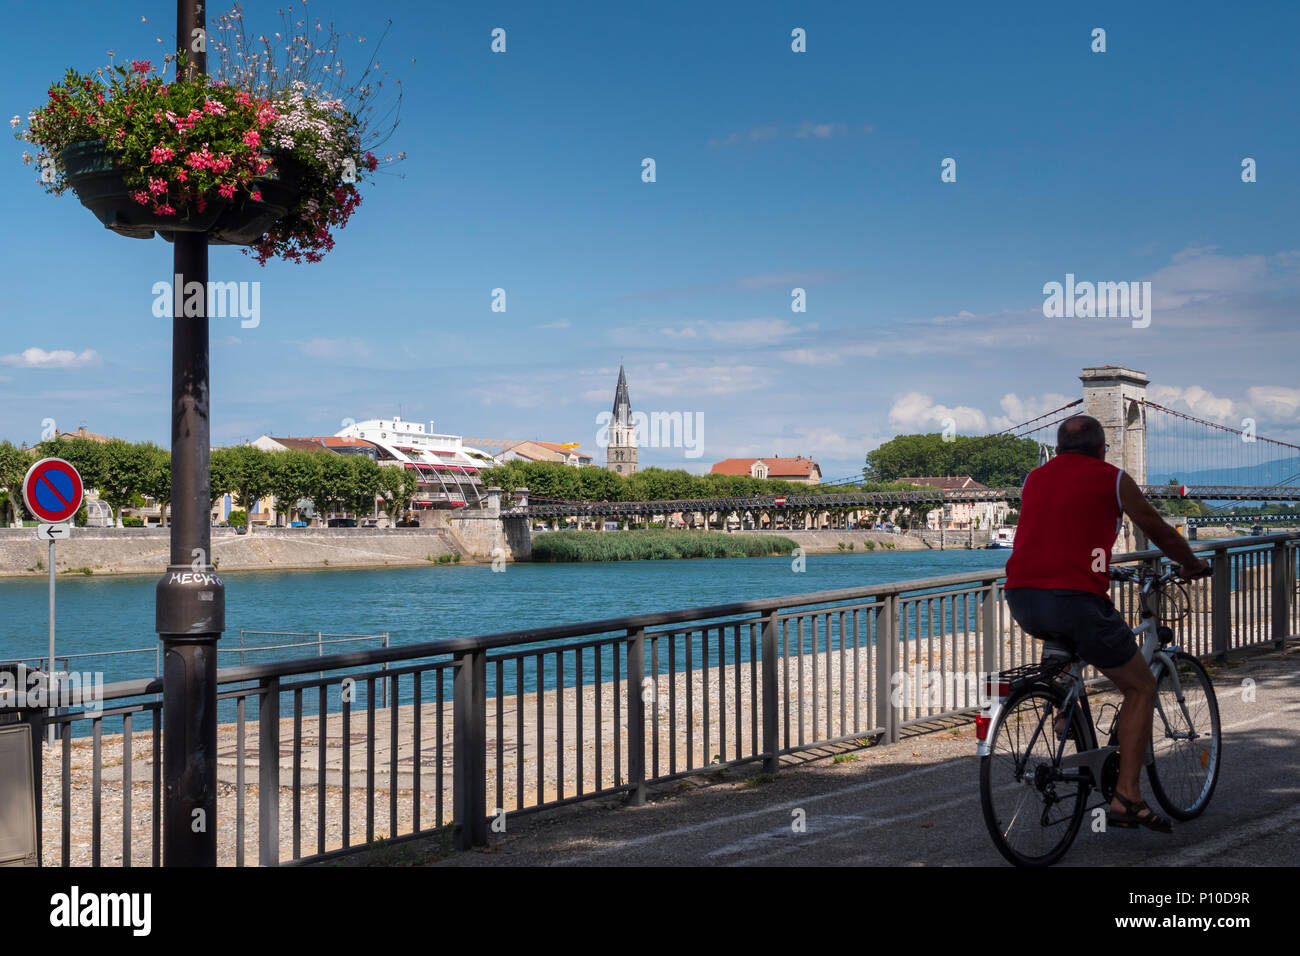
(1135, 818)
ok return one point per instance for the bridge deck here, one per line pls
(863, 500)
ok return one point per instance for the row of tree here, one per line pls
(124, 473)
(545, 479)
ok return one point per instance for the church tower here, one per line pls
(620, 455)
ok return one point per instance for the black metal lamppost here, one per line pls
(191, 598)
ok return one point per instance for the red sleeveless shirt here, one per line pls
(1070, 513)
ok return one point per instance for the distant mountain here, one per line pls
(1269, 473)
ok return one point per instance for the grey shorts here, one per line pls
(1087, 623)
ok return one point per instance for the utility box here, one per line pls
(18, 846)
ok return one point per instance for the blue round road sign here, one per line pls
(52, 490)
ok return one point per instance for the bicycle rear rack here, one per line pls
(1017, 677)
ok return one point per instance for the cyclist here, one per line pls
(1058, 584)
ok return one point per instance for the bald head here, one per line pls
(1081, 434)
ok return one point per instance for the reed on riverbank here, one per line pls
(653, 544)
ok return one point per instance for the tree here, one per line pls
(362, 485)
(397, 485)
(13, 467)
(250, 476)
(331, 480)
(125, 468)
(158, 478)
(221, 474)
(294, 474)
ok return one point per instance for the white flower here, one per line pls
(15, 122)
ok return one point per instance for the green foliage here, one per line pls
(13, 466)
(1180, 507)
(362, 484)
(653, 545)
(397, 486)
(294, 475)
(133, 522)
(994, 460)
(123, 469)
(237, 517)
(81, 517)
(250, 475)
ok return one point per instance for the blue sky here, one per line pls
(775, 170)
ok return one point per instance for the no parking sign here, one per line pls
(52, 490)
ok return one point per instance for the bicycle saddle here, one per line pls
(1055, 649)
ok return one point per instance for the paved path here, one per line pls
(917, 803)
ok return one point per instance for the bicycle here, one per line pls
(1039, 757)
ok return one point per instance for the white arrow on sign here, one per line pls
(53, 532)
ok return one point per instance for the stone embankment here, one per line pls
(145, 550)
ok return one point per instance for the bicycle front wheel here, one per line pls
(1186, 740)
(1032, 816)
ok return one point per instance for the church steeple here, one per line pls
(620, 456)
(622, 402)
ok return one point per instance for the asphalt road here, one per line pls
(916, 803)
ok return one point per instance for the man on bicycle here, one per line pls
(1058, 584)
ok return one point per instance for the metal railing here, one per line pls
(480, 730)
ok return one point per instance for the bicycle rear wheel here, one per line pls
(1031, 817)
(1186, 744)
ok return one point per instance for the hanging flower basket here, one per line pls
(246, 221)
(254, 156)
(99, 185)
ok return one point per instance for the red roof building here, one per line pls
(802, 470)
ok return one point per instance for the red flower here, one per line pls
(256, 196)
(141, 66)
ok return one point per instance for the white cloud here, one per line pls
(671, 380)
(740, 332)
(561, 324)
(1017, 410)
(820, 130)
(805, 130)
(828, 356)
(1197, 400)
(1278, 401)
(58, 358)
(917, 410)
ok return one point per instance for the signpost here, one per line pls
(52, 491)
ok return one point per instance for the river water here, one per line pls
(412, 605)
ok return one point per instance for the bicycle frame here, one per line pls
(1092, 760)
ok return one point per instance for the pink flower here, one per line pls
(202, 204)
(161, 154)
(181, 175)
(141, 197)
(157, 185)
(252, 138)
(214, 107)
(228, 190)
(141, 66)
(165, 211)
(256, 196)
